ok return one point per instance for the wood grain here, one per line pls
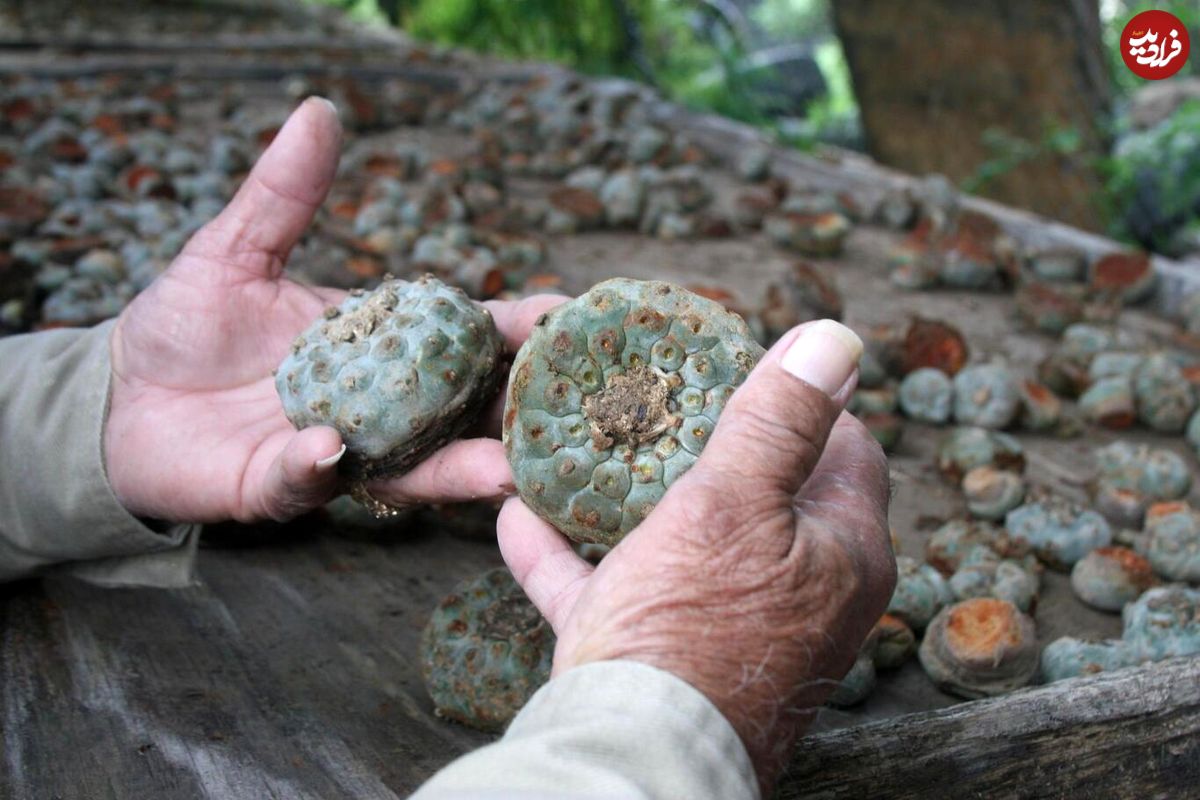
(1131, 734)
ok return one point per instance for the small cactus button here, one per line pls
(927, 395)
(980, 648)
(986, 395)
(920, 593)
(399, 372)
(1109, 577)
(1002, 579)
(1163, 623)
(1173, 541)
(963, 449)
(991, 493)
(613, 397)
(1069, 657)
(1165, 398)
(857, 684)
(891, 642)
(485, 651)
(1059, 532)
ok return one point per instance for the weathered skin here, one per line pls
(399, 372)
(485, 651)
(613, 397)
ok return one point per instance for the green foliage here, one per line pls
(685, 49)
(1154, 178)
(1010, 152)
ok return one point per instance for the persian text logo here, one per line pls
(1155, 45)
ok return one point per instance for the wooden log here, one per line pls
(1133, 733)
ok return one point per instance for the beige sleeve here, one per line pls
(612, 729)
(57, 509)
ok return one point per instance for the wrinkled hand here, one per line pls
(196, 431)
(762, 569)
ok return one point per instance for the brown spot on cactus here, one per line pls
(647, 369)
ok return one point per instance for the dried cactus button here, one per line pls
(927, 395)
(1002, 579)
(1069, 657)
(1173, 541)
(613, 397)
(980, 648)
(950, 543)
(986, 395)
(856, 685)
(485, 651)
(963, 449)
(920, 593)
(1109, 403)
(1059, 531)
(399, 372)
(891, 642)
(1109, 577)
(1164, 622)
(1041, 409)
(1165, 397)
(991, 493)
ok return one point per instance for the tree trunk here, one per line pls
(976, 90)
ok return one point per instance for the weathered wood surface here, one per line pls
(1130, 734)
(290, 672)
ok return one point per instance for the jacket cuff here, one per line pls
(608, 729)
(62, 511)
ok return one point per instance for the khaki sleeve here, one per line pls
(57, 509)
(612, 729)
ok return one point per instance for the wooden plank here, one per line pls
(1133, 733)
(290, 672)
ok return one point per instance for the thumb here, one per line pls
(278, 199)
(303, 475)
(774, 428)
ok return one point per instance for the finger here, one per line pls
(847, 498)
(304, 474)
(464, 470)
(516, 318)
(275, 205)
(542, 561)
(772, 431)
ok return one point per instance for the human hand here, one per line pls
(196, 431)
(763, 568)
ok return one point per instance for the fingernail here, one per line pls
(824, 355)
(331, 461)
(326, 101)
